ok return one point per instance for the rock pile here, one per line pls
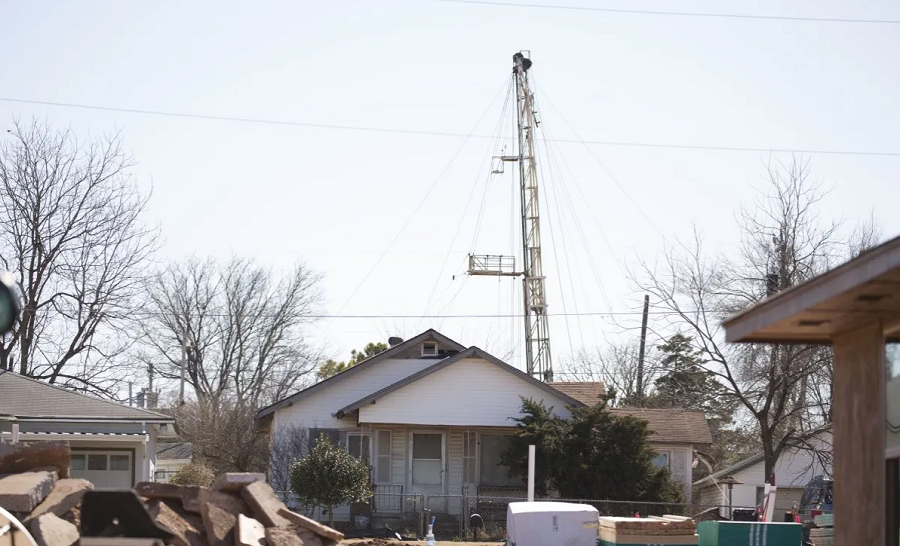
(239, 509)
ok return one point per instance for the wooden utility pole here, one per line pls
(640, 370)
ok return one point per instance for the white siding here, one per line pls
(317, 409)
(793, 471)
(471, 392)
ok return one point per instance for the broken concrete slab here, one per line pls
(219, 525)
(16, 458)
(187, 528)
(264, 503)
(233, 482)
(311, 525)
(50, 530)
(23, 492)
(66, 494)
(224, 501)
(159, 490)
(291, 535)
(249, 532)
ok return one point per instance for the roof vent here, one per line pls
(393, 341)
(429, 348)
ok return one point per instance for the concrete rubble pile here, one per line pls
(240, 509)
(665, 530)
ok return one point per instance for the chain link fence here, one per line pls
(455, 515)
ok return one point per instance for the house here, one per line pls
(855, 308)
(793, 470)
(433, 417)
(170, 458)
(113, 445)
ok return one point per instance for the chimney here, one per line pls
(393, 341)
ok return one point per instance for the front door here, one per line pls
(427, 449)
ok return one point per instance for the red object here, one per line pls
(815, 513)
(637, 514)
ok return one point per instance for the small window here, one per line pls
(96, 462)
(77, 462)
(358, 446)
(661, 460)
(429, 348)
(384, 456)
(119, 462)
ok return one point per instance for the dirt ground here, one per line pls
(384, 542)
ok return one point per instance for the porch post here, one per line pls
(859, 436)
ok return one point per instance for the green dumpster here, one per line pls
(749, 533)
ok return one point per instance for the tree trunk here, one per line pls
(331, 515)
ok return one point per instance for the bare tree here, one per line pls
(222, 435)
(785, 389)
(71, 230)
(617, 366)
(243, 328)
(288, 444)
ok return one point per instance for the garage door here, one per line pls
(103, 468)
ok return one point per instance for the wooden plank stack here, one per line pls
(823, 532)
(652, 531)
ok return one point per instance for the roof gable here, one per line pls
(406, 348)
(471, 352)
(23, 397)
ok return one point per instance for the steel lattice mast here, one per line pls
(537, 328)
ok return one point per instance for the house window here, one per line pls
(427, 459)
(119, 462)
(470, 442)
(358, 445)
(384, 457)
(429, 348)
(662, 459)
(333, 435)
(77, 462)
(493, 473)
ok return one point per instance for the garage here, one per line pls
(104, 468)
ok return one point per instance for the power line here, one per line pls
(677, 13)
(429, 316)
(422, 132)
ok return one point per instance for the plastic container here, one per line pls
(429, 537)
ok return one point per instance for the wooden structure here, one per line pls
(856, 308)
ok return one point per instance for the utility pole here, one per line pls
(537, 325)
(640, 370)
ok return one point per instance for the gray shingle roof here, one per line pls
(25, 397)
(672, 425)
(174, 450)
(586, 392)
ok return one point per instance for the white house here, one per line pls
(433, 417)
(793, 470)
(170, 458)
(112, 445)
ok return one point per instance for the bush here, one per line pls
(193, 474)
(330, 476)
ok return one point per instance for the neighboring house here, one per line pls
(793, 470)
(113, 445)
(170, 458)
(676, 432)
(431, 416)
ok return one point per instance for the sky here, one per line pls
(364, 172)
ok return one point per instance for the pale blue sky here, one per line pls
(336, 198)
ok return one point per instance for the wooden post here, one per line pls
(859, 437)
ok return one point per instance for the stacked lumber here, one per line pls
(822, 534)
(661, 531)
(240, 509)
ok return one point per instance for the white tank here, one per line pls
(551, 524)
